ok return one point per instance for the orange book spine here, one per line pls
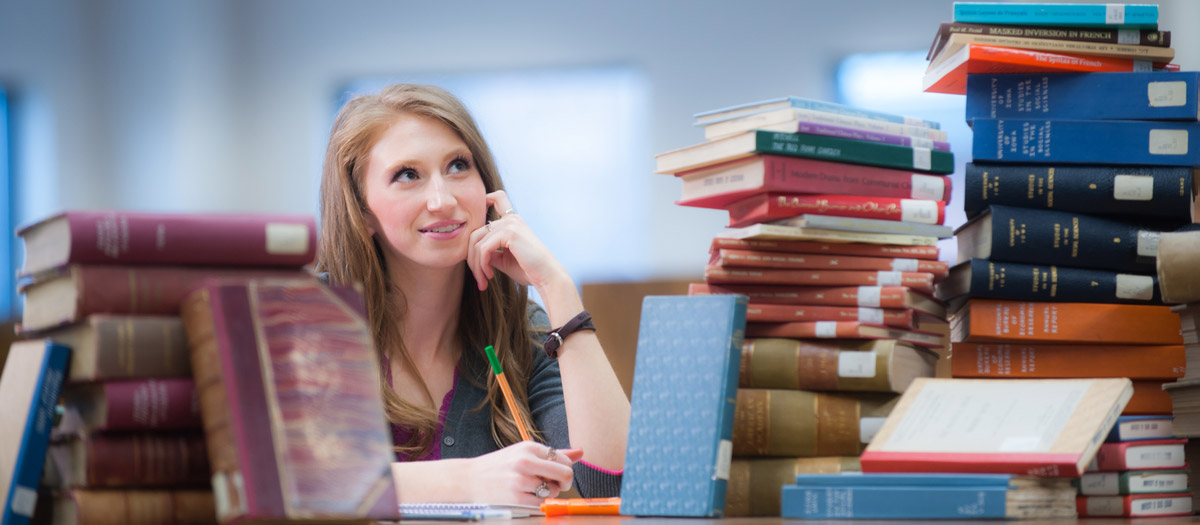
(1037, 322)
(831, 248)
(1148, 398)
(783, 313)
(919, 281)
(1066, 361)
(801, 261)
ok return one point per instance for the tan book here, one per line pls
(105, 347)
(755, 483)
(800, 423)
(1178, 258)
(123, 507)
(884, 365)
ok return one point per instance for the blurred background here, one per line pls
(226, 105)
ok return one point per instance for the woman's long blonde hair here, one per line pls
(349, 254)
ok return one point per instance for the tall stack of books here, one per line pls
(1178, 259)
(109, 286)
(835, 213)
(1075, 178)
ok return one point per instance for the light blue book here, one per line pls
(33, 377)
(1039, 14)
(923, 502)
(685, 377)
(740, 110)
(1127, 142)
(1158, 95)
(859, 479)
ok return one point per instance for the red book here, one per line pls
(144, 459)
(1135, 505)
(830, 248)
(717, 186)
(766, 207)
(290, 395)
(950, 75)
(141, 404)
(919, 281)
(786, 313)
(868, 296)
(126, 237)
(801, 261)
(74, 292)
(1151, 454)
(841, 330)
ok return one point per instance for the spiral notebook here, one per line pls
(466, 511)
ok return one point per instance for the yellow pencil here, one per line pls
(508, 396)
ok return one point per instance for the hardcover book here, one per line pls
(718, 186)
(1057, 14)
(142, 459)
(1046, 428)
(992, 321)
(950, 75)
(864, 296)
(134, 404)
(29, 387)
(1133, 482)
(1087, 141)
(1149, 192)
(794, 120)
(919, 281)
(128, 238)
(1107, 35)
(677, 459)
(800, 261)
(817, 498)
(107, 347)
(831, 248)
(1137, 428)
(778, 232)
(844, 330)
(1074, 47)
(1136, 505)
(818, 147)
(786, 313)
(1178, 258)
(1031, 361)
(754, 483)
(1093, 96)
(810, 104)
(776, 422)
(849, 131)
(1141, 455)
(915, 216)
(130, 506)
(285, 368)
(853, 366)
(1029, 282)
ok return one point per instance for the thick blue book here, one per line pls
(717, 115)
(33, 377)
(923, 502)
(1047, 14)
(1138, 428)
(1042, 282)
(859, 479)
(1158, 143)
(1089, 96)
(1158, 192)
(685, 377)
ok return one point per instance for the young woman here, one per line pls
(412, 207)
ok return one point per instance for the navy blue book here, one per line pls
(1138, 428)
(1057, 14)
(1040, 282)
(1095, 96)
(1131, 191)
(1005, 233)
(33, 377)
(1158, 143)
(685, 379)
(926, 502)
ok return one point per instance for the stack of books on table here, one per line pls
(1178, 259)
(1139, 471)
(109, 286)
(835, 213)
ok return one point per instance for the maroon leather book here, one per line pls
(140, 459)
(141, 404)
(291, 401)
(126, 237)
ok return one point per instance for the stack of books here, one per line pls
(834, 216)
(109, 285)
(1139, 471)
(1178, 258)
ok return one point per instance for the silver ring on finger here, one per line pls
(510, 211)
(551, 453)
(542, 491)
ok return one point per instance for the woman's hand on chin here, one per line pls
(508, 245)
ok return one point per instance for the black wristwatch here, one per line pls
(554, 339)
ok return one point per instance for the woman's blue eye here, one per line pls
(404, 174)
(459, 164)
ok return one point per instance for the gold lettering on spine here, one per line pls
(1075, 240)
(837, 425)
(1053, 281)
(1012, 232)
(1050, 188)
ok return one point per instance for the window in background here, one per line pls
(892, 82)
(571, 147)
(8, 260)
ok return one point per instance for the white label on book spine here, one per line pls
(922, 158)
(869, 296)
(1129, 36)
(870, 315)
(1147, 243)
(1168, 142)
(1143, 66)
(1154, 456)
(1105, 505)
(724, 458)
(286, 238)
(905, 265)
(868, 427)
(928, 187)
(1100, 484)
(1139, 287)
(1133, 187)
(1167, 94)
(1114, 14)
(921, 142)
(985, 416)
(856, 364)
(920, 211)
(826, 329)
(1154, 482)
(889, 278)
(24, 499)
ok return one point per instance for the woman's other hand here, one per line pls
(514, 474)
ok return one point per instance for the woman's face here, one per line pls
(424, 194)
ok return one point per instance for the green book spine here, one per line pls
(855, 151)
